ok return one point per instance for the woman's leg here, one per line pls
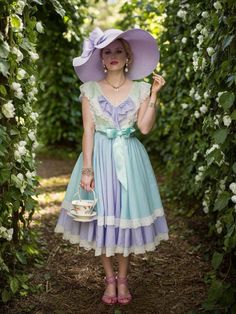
(123, 272)
(108, 268)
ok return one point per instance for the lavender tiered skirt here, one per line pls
(128, 220)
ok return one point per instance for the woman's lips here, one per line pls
(114, 62)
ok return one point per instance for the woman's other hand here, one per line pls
(158, 82)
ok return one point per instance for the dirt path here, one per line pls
(169, 280)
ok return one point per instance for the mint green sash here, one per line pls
(119, 150)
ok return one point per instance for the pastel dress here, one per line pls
(130, 216)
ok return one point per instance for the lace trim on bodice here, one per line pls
(102, 108)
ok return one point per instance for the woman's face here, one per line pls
(114, 56)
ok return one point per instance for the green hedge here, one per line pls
(195, 131)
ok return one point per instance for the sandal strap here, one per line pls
(110, 279)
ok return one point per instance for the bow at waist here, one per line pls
(119, 150)
(113, 132)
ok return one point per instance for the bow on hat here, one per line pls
(96, 37)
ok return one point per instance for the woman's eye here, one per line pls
(107, 52)
(119, 51)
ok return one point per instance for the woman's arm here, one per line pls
(147, 115)
(147, 111)
(87, 143)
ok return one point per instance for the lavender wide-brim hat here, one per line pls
(144, 48)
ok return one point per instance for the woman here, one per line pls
(130, 216)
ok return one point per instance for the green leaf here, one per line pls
(4, 50)
(217, 259)
(227, 41)
(3, 90)
(220, 135)
(21, 258)
(4, 67)
(234, 167)
(58, 8)
(222, 201)
(226, 100)
(14, 284)
(233, 115)
(6, 296)
(4, 175)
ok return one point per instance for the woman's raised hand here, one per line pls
(158, 82)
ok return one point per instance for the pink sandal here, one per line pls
(123, 298)
(109, 299)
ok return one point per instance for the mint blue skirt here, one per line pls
(130, 216)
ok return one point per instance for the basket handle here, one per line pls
(78, 192)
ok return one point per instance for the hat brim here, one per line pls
(145, 57)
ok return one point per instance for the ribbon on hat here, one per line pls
(119, 150)
(96, 37)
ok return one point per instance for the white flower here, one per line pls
(198, 26)
(30, 175)
(21, 73)
(206, 95)
(20, 176)
(210, 51)
(233, 198)
(8, 109)
(31, 135)
(227, 120)
(20, 120)
(17, 155)
(205, 207)
(184, 40)
(15, 86)
(205, 14)
(22, 150)
(218, 226)
(200, 39)
(192, 91)
(22, 143)
(203, 109)
(39, 27)
(198, 177)
(182, 14)
(9, 234)
(34, 56)
(196, 114)
(204, 32)
(197, 96)
(19, 94)
(217, 5)
(214, 146)
(32, 80)
(18, 53)
(20, 7)
(216, 119)
(232, 187)
(35, 145)
(34, 115)
(195, 155)
(184, 106)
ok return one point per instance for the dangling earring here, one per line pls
(126, 65)
(104, 68)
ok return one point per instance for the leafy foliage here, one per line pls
(18, 180)
(58, 102)
(195, 130)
